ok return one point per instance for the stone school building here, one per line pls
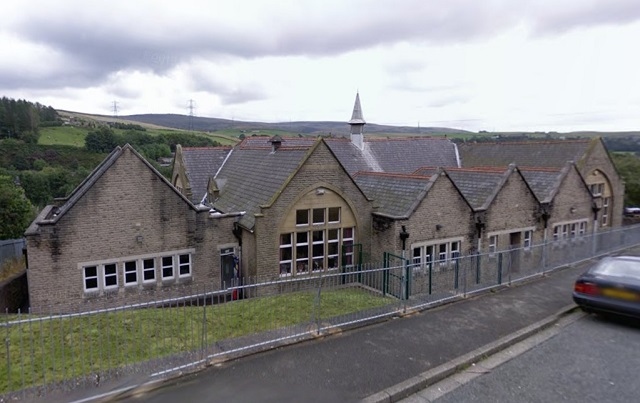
(283, 207)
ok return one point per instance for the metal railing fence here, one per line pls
(45, 353)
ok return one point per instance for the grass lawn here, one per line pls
(51, 350)
(63, 135)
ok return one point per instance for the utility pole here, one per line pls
(191, 106)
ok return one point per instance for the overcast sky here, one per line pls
(470, 64)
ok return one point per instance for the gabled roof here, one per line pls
(552, 153)
(544, 182)
(200, 164)
(394, 155)
(479, 186)
(254, 173)
(53, 214)
(397, 195)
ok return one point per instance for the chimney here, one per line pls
(276, 142)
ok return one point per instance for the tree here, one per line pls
(628, 166)
(16, 212)
(103, 140)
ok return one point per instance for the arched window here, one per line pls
(314, 233)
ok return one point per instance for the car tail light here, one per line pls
(586, 288)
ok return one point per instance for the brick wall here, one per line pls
(597, 158)
(514, 207)
(572, 202)
(321, 169)
(129, 212)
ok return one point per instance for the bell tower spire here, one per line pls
(357, 124)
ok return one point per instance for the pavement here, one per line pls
(383, 362)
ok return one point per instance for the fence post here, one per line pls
(456, 273)
(499, 268)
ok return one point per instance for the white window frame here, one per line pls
(134, 272)
(329, 215)
(527, 239)
(164, 266)
(308, 218)
(104, 275)
(290, 247)
(315, 258)
(313, 216)
(350, 242)
(144, 270)
(582, 228)
(95, 277)
(331, 242)
(605, 211)
(302, 260)
(181, 265)
(493, 245)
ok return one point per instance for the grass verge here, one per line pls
(55, 349)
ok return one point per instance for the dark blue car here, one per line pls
(612, 286)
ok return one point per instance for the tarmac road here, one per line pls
(361, 363)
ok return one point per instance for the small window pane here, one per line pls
(318, 236)
(285, 268)
(302, 237)
(285, 239)
(286, 253)
(318, 216)
(302, 217)
(347, 233)
(334, 214)
(332, 234)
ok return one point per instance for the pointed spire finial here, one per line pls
(356, 116)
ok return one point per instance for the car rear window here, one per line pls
(618, 268)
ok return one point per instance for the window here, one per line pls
(493, 244)
(416, 257)
(286, 254)
(104, 276)
(569, 230)
(597, 189)
(110, 275)
(526, 240)
(318, 250)
(443, 253)
(605, 211)
(455, 250)
(302, 217)
(90, 278)
(318, 216)
(333, 239)
(302, 252)
(184, 265)
(167, 267)
(148, 270)
(347, 241)
(130, 273)
(582, 230)
(317, 247)
(334, 214)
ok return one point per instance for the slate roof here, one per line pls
(553, 153)
(479, 185)
(201, 163)
(394, 155)
(253, 174)
(396, 195)
(544, 182)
